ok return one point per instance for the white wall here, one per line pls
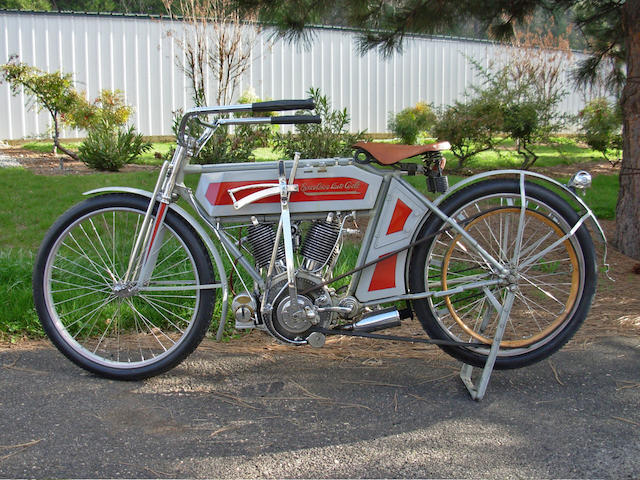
(138, 56)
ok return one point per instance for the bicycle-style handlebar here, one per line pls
(276, 105)
(293, 119)
(280, 105)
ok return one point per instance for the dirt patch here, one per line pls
(594, 168)
(616, 307)
(49, 164)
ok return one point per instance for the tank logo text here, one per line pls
(350, 187)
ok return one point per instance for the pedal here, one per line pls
(316, 339)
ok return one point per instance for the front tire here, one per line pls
(553, 285)
(104, 324)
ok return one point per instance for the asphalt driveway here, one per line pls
(224, 413)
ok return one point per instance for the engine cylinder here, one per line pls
(261, 237)
(320, 244)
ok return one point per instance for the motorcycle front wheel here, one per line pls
(103, 323)
(553, 280)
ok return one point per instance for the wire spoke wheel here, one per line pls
(545, 292)
(93, 308)
(551, 275)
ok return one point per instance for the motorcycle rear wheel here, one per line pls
(553, 285)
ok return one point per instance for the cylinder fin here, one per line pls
(261, 237)
(320, 243)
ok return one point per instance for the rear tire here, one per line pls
(104, 325)
(553, 293)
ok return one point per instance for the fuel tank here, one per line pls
(322, 188)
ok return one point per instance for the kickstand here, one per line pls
(478, 391)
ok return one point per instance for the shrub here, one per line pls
(601, 125)
(108, 110)
(227, 147)
(109, 149)
(327, 139)
(471, 127)
(411, 121)
(224, 147)
(527, 116)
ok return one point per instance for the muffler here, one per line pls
(378, 320)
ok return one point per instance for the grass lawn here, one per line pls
(562, 151)
(154, 156)
(31, 203)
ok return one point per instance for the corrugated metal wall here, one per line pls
(138, 56)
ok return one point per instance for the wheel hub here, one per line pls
(124, 290)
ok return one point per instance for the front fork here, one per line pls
(150, 238)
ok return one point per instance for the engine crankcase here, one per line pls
(279, 319)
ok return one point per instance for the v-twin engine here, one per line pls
(320, 246)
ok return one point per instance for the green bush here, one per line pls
(330, 138)
(408, 123)
(109, 149)
(601, 126)
(471, 127)
(108, 110)
(520, 110)
(225, 146)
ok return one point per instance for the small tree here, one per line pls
(471, 127)
(52, 92)
(412, 121)
(601, 125)
(529, 116)
(217, 43)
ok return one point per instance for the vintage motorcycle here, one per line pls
(500, 270)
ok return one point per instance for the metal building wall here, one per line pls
(138, 56)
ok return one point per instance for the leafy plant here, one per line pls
(225, 145)
(408, 123)
(108, 110)
(601, 125)
(106, 149)
(471, 127)
(527, 115)
(331, 138)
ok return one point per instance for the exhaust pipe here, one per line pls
(378, 320)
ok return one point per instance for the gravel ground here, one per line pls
(297, 414)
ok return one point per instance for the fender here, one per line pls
(202, 233)
(538, 176)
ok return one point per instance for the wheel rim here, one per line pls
(547, 291)
(101, 317)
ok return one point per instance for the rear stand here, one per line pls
(477, 391)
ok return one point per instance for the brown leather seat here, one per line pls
(390, 153)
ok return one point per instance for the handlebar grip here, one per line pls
(280, 105)
(291, 119)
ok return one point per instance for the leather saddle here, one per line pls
(390, 153)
